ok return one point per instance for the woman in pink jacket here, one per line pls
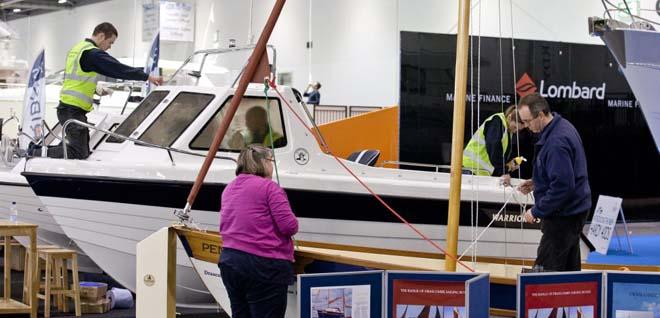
(256, 225)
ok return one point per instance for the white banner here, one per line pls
(603, 222)
(35, 102)
(177, 21)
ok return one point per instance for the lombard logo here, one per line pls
(526, 86)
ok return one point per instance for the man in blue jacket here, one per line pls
(560, 184)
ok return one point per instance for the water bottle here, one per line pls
(13, 212)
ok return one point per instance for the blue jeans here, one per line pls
(252, 298)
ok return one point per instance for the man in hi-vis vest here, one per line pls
(84, 62)
(490, 146)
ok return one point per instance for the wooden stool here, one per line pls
(56, 280)
(8, 305)
(26, 273)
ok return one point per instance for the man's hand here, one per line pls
(156, 80)
(512, 166)
(103, 91)
(526, 187)
(529, 218)
(505, 179)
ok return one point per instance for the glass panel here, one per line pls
(138, 115)
(250, 125)
(179, 114)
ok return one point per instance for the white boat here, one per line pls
(14, 188)
(125, 190)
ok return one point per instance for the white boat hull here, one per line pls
(100, 230)
(109, 231)
(14, 188)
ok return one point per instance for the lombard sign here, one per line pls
(526, 86)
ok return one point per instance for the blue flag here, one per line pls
(35, 102)
(151, 67)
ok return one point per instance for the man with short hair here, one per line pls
(84, 62)
(560, 183)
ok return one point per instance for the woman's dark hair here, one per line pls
(251, 160)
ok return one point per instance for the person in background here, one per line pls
(257, 131)
(490, 146)
(84, 62)
(256, 225)
(560, 183)
(312, 93)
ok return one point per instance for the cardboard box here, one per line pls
(92, 292)
(98, 307)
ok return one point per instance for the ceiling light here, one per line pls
(17, 10)
(61, 1)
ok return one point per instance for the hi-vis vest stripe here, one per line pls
(79, 86)
(475, 155)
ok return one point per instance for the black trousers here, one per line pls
(251, 298)
(559, 249)
(77, 136)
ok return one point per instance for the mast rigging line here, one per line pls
(365, 186)
(495, 216)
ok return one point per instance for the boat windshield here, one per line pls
(255, 122)
(178, 115)
(138, 115)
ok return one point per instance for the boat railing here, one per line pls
(328, 113)
(626, 10)
(416, 164)
(137, 141)
(205, 54)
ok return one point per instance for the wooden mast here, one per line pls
(258, 59)
(460, 84)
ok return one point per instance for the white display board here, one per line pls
(603, 222)
(177, 21)
(150, 19)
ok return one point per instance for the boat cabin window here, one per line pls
(178, 115)
(138, 115)
(250, 125)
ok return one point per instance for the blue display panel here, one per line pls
(560, 294)
(346, 294)
(632, 295)
(436, 294)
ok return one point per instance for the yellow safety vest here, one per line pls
(475, 155)
(248, 138)
(79, 86)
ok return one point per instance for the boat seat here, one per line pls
(366, 157)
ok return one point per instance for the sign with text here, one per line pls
(342, 294)
(632, 294)
(560, 294)
(603, 222)
(150, 19)
(433, 294)
(177, 21)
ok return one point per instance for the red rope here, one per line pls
(374, 194)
